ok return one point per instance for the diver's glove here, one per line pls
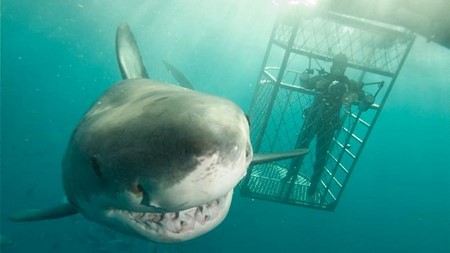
(304, 76)
(365, 104)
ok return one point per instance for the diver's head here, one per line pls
(339, 65)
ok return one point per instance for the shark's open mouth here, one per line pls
(196, 220)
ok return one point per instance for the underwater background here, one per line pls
(57, 57)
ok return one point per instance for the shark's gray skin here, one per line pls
(154, 160)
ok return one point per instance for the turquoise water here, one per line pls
(58, 56)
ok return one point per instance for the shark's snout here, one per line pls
(202, 144)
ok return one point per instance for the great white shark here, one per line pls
(154, 160)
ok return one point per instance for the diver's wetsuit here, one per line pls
(321, 119)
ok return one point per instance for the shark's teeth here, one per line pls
(178, 222)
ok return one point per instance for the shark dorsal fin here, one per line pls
(128, 55)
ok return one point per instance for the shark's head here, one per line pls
(157, 161)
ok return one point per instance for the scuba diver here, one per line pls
(322, 119)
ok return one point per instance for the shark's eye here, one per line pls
(248, 152)
(248, 119)
(96, 166)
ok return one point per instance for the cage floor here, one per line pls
(266, 182)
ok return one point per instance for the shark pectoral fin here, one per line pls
(271, 157)
(128, 54)
(56, 212)
(178, 75)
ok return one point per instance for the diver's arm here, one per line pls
(365, 103)
(363, 100)
(308, 82)
(356, 88)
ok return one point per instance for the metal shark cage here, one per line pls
(376, 53)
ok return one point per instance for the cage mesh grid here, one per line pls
(380, 51)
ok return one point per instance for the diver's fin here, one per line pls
(271, 157)
(56, 212)
(128, 55)
(178, 75)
